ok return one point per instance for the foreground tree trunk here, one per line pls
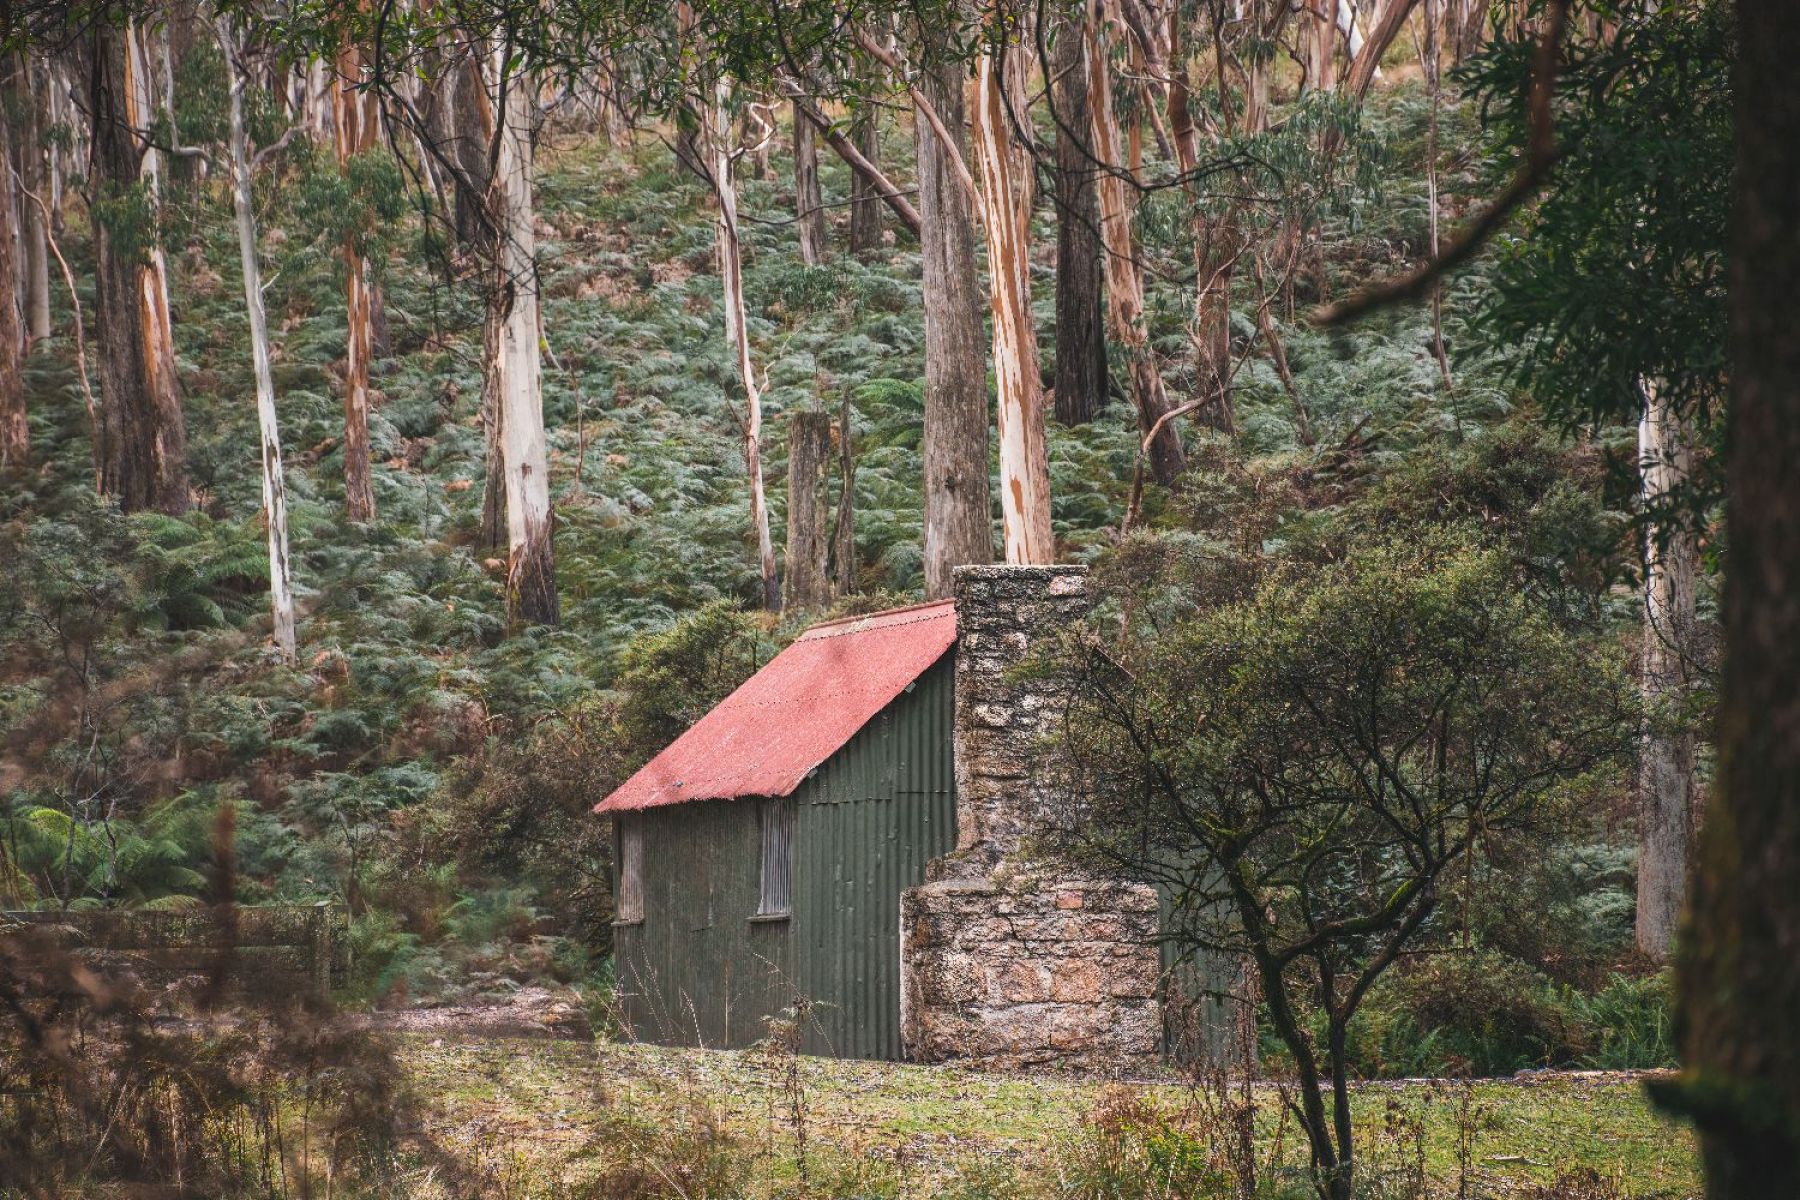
(1004, 173)
(807, 584)
(958, 517)
(354, 130)
(1080, 318)
(1739, 982)
(865, 203)
(274, 487)
(1667, 787)
(809, 200)
(1124, 281)
(514, 372)
(737, 332)
(843, 529)
(143, 441)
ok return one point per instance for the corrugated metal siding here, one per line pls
(868, 822)
(697, 970)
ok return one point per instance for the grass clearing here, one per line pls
(552, 1110)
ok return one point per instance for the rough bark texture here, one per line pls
(885, 188)
(807, 583)
(1005, 187)
(274, 488)
(1080, 317)
(15, 435)
(958, 518)
(354, 121)
(809, 200)
(737, 332)
(143, 441)
(514, 367)
(1124, 281)
(1668, 789)
(865, 204)
(1740, 976)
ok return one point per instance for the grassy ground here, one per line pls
(539, 1109)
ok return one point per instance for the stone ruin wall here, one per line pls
(1009, 962)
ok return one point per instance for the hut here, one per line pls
(848, 838)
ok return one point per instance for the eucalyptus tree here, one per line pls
(142, 445)
(241, 69)
(15, 433)
(1616, 295)
(355, 128)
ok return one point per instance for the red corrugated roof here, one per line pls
(796, 712)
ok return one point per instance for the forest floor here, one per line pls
(539, 1108)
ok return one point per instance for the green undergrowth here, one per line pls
(567, 1118)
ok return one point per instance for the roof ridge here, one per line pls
(835, 622)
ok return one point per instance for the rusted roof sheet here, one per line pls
(799, 710)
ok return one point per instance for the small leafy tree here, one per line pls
(1301, 756)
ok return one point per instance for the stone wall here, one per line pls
(1031, 973)
(1009, 961)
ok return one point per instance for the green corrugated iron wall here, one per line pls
(867, 824)
(699, 970)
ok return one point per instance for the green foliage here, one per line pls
(1617, 277)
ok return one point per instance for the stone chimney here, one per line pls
(1003, 614)
(1007, 959)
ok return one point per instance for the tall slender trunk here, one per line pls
(959, 526)
(143, 441)
(1004, 172)
(1124, 279)
(1431, 183)
(843, 528)
(1667, 786)
(354, 125)
(737, 331)
(809, 200)
(15, 433)
(807, 583)
(1080, 271)
(274, 487)
(514, 372)
(865, 205)
(34, 230)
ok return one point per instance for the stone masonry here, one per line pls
(1010, 959)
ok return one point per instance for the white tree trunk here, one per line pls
(1124, 281)
(513, 362)
(1004, 193)
(731, 274)
(274, 487)
(1667, 787)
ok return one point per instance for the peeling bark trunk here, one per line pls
(1004, 174)
(731, 275)
(865, 205)
(514, 373)
(274, 488)
(1080, 316)
(354, 121)
(809, 200)
(958, 515)
(143, 441)
(1668, 789)
(15, 434)
(1367, 61)
(807, 584)
(1124, 281)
